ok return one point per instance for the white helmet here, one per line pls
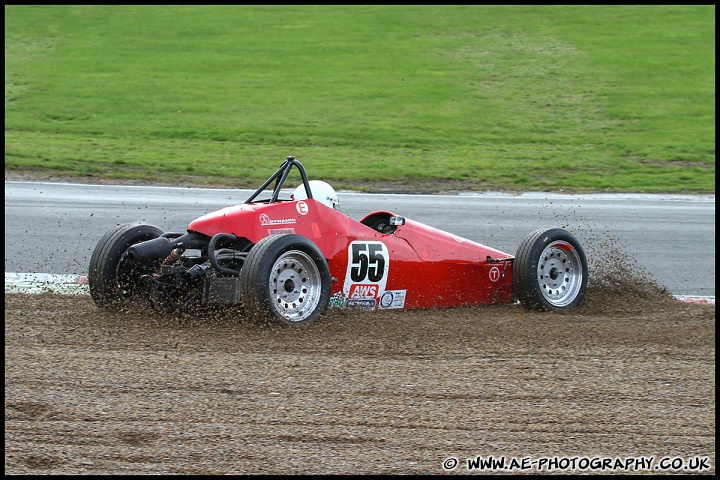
(321, 191)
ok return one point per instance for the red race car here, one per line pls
(288, 260)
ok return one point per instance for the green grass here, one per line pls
(578, 98)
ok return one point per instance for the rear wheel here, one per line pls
(550, 271)
(285, 280)
(114, 278)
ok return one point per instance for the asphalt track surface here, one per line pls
(53, 227)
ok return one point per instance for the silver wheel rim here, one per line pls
(560, 273)
(295, 285)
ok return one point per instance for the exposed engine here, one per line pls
(187, 269)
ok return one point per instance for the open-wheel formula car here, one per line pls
(288, 260)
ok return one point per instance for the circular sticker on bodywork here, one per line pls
(494, 274)
(392, 299)
(301, 207)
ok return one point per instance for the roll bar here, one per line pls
(279, 177)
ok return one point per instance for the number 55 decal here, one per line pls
(368, 265)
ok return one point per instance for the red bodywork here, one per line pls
(417, 266)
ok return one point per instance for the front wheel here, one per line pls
(550, 271)
(114, 277)
(285, 279)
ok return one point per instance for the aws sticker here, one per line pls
(392, 299)
(367, 269)
(363, 290)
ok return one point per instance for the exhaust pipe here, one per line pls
(151, 250)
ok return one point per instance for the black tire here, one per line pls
(285, 280)
(550, 271)
(114, 279)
